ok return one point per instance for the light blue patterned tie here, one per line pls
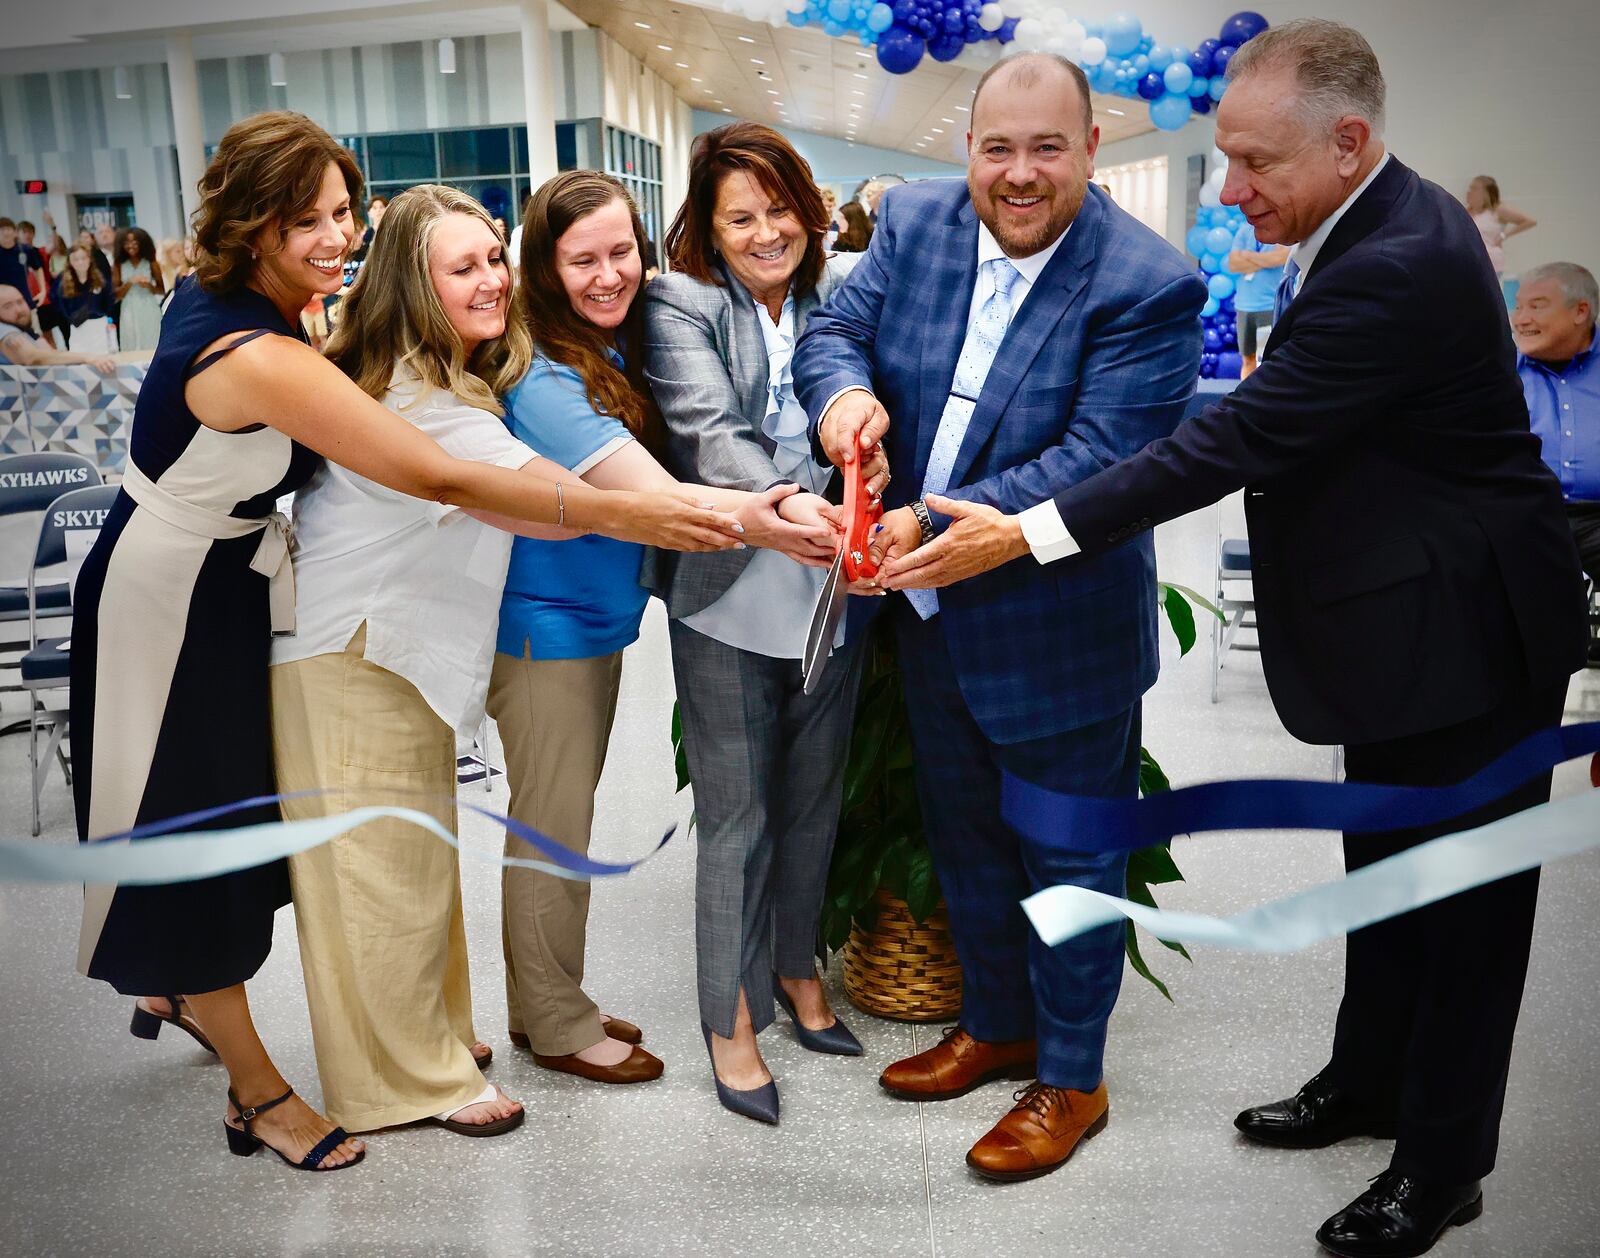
(1291, 272)
(988, 330)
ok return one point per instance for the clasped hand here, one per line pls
(978, 539)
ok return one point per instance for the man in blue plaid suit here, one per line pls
(1005, 340)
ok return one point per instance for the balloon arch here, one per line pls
(1117, 55)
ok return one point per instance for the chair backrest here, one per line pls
(31, 482)
(71, 523)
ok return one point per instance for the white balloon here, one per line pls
(990, 18)
(1056, 44)
(1209, 197)
(1029, 34)
(1074, 31)
(1093, 51)
(983, 53)
(1014, 8)
(1218, 157)
(1217, 177)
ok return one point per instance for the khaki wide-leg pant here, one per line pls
(382, 942)
(555, 720)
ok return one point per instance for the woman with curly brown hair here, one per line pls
(177, 603)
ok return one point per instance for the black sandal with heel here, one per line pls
(146, 1024)
(245, 1142)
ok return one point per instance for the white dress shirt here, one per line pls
(1042, 526)
(425, 577)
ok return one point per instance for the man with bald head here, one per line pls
(1019, 332)
(1416, 585)
(21, 348)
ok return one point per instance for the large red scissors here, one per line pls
(854, 562)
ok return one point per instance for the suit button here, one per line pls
(1144, 523)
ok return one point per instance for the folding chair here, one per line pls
(1236, 604)
(29, 483)
(70, 526)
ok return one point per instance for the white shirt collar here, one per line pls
(1030, 268)
(1304, 254)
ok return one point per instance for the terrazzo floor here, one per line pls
(111, 1145)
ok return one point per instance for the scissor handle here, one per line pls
(861, 512)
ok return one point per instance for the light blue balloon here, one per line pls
(1210, 308)
(1171, 111)
(1199, 87)
(840, 10)
(1219, 240)
(1105, 77)
(1141, 65)
(1123, 33)
(1177, 77)
(799, 19)
(834, 27)
(1219, 85)
(880, 18)
(1222, 216)
(1220, 286)
(1210, 263)
(1160, 57)
(1180, 53)
(1195, 241)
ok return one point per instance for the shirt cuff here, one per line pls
(1046, 534)
(854, 388)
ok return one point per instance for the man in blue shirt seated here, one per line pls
(1554, 328)
(1259, 271)
(20, 347)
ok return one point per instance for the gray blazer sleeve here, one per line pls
(710, 439)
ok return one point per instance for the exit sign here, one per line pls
(31, 187)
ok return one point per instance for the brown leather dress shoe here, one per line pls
(637, 1067)
(957, 1064)
(1040, 1133)
(616, 1028)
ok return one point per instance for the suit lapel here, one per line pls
(1058, 287)
(951, 265)
(749, 348)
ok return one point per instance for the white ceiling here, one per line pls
(808, 80)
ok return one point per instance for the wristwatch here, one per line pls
(924, 520)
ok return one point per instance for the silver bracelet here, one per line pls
(561, 506)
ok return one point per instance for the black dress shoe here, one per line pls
(1399, 1217)
(1314, 1117)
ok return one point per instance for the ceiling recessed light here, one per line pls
(856, 91)
(962, 109)
(745, 39)
(695, 80)
(937, 130)
(664, 47)
(727, 111)
(683, 65)
(861, 76)
(922, 144)
(1118, 113)
(771, 92)
(756, 61)
(951, 121)
(643, 26)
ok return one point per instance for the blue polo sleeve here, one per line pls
(549, 410)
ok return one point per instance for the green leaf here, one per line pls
(680, 758)
(922, 887)
(1152, 778)
(1197, 599)
(1180, 617)
(1136, 959)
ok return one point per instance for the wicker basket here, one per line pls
(901, 970)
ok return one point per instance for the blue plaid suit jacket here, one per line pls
(1098, 362)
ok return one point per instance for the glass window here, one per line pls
(410, 157)
(521, 134)
(494, 194)
(566, 147)
(482, 152)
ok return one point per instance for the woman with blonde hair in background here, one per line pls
(570, 609)
(1497, 223)
(174, 614)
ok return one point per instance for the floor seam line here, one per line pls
(927, 1178)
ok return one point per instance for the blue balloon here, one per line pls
(899, 50)
(1211, 339)
(1220, 286)
(1210, 308)
(834, 28)
(1151, 87)
(1179, 53)
(1123, 33)
(1218, 86)
(1219, 215)
(1197, 240)
(1177, 78)
(840, 10)
(1240, 27)
(880, 17)
(1008, 30)
(1229, 365)
(1220, 59)
(799, 19)
(1201, 104)
(1104, 78)
(946, 46)
(1210, 263)
(1171, 111)
(1199, 63)
(1219, 240)
(1199, 87)
(1160, 57)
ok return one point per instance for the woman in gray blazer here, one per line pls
(767, 760)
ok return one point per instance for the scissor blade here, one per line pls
(824, 623)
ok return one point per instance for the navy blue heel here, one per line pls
(760, 1103)
(242, 1142)
(835, 1039)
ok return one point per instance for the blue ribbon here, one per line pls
(172, 850)
(1086, 824)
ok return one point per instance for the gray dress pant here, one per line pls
(768, 767)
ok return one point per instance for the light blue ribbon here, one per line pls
(151, 854)
(1420, 875)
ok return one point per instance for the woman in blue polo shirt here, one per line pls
(571, 607)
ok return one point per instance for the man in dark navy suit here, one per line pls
(1024, 333)
(1417, 589)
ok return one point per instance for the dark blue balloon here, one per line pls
(1242, 26)
(1209, 45)
(945, 46)
(953, 21)
(1200, 63)
(900, 50)
(904, 10)
(1151, 86)
(1008, 30)
(1213, 340)
(1200, 104)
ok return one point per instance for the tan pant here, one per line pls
(382, 941)
(555, 721)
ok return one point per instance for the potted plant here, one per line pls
(883, 907)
